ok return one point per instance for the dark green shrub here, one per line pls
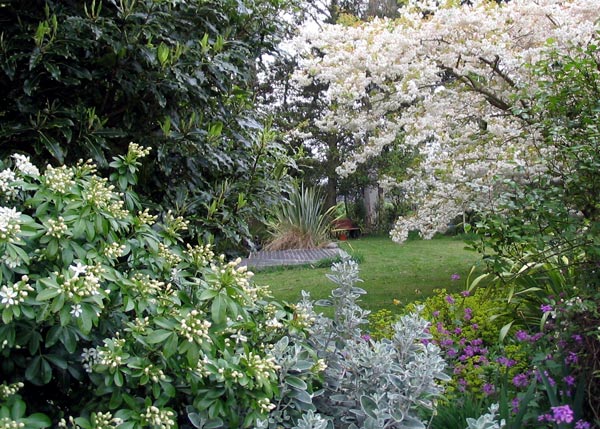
(83, 79)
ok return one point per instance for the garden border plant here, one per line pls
(110, 320)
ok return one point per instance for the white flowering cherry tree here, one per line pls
(451, 83)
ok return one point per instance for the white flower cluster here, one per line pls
(239, 275)
(194, 327)
(200, 255)
(7, 390)
(89, 358)
(265, 405)
(59, 179)
(146, 218)
(82, 281)
(17, 293)
(136, 151)
(319, 366)
(263, 368)
(170, 257)
(9, 224)
(106, 420)
(56, 227)
(114, 250)
(202, 367)
(304, 315)
(100, 194)
(25, 166)
(156, 418)
(146, 285)
(139, 325)
(174, 224)
(7, 177)
(155, 374)
(110, 354)
(8, 423)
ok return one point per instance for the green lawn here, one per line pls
(390, 271)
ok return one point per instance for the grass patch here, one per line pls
(406, 272)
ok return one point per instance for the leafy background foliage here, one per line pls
(82, 80)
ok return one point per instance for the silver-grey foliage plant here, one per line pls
(370, 384)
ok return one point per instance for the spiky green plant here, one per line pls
(301, 222)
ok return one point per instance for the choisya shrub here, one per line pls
(370, 383)
(110, 320)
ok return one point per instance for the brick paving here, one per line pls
(265, 258)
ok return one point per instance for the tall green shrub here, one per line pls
(82, 79)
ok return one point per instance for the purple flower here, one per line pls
(488, 389)
(520, 380)
(457, 331)
(365, 337)
(455, 277)
(465, 293)
(569, 380)
(522, 335)
(582, 424)
(436, 313)
(515, 405)
(475, 326)
(545, 418)
(506, 361)
(562, 414)
(451, 353)
(571, 358)
(546, 307)
(536, 337)
(468, 314)
(449, 299)
(578, 339)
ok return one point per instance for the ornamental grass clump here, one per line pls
(108, 320)
(301, 221)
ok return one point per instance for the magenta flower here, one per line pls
(455, 277)
(582, 424)
(562, 414)
(465, 293)
(546, 308)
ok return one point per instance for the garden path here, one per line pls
(265, 258)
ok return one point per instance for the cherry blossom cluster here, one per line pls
(441, 82)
